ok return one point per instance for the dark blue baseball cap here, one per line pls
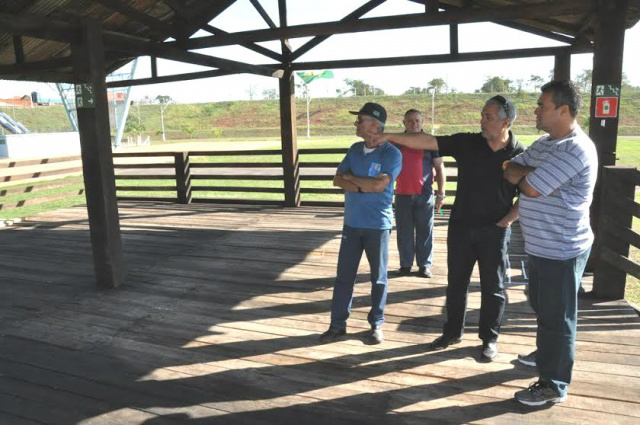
(373, 110)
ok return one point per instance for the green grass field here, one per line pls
(628, 154)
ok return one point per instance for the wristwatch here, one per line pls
(440, 195)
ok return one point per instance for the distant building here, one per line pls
(18, 102)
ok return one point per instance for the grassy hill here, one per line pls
(329, 116)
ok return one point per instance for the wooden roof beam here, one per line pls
(124, 43)
(49, 77)
(457, 16)
(18, 49)
(443, 58)
(251, 46)
(256, 4)
(353, 16)
(39, 66)
(39, 27)
(170, 78)
(200, 14)
(285, 45)
(177, 6)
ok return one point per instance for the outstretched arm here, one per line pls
(418, 141)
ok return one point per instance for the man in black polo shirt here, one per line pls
(482, 213)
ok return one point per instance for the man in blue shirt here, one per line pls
(366, 174)
(556, 177)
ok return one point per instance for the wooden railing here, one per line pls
(183, 176)
(47, 177)
(614, 235)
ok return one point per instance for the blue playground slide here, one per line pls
(11, 125)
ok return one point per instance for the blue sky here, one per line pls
(465, 77)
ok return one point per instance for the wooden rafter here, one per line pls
(256, 4)
(39, 27)
(123, 43)
(443, 58)
(177, 6)
(170, 78)
(353, 16)
(286, 47)
(359, 63)
(18, 49)
(459, 16)
(251, 46)
(200, 14)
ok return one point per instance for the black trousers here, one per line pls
(488, 246)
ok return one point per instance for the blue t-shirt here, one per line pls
(371, 210)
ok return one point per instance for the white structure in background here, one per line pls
(41, 145)
(118, 98)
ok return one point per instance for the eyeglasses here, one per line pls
(503, 102)
(365, 119)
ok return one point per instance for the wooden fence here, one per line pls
(30, 182)
(614, 233)
(183, 176)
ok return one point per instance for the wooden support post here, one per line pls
(431, 6)
(609, 281)
(453, 39)
(183, 177)
(607, 72)
(18, 49)
(154, 67)
(288, 132)
(290, 162)
(562, 67)
(97, 160)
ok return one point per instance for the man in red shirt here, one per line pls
(415, 201)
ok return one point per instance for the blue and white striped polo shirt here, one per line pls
(556, 224)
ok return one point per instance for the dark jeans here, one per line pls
(414, 225)
(375, 243)
(488, 246)
(553, 295)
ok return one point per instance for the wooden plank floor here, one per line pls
(218, 323)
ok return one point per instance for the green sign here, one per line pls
(84, 96)
(608, 90)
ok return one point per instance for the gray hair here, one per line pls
(380, 127)
(506, 108)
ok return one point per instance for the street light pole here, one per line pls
(433, 109)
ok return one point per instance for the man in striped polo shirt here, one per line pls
(556, 177)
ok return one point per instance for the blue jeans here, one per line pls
(488, 246)
(375, 243)
(553, 295)
(415, 212)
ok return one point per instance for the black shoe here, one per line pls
(528, 359)
(332, 335)
(404, 271)
(374, 337)
(442, 342)
(489, 351)
(424, 272)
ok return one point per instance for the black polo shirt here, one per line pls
(483, 196)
